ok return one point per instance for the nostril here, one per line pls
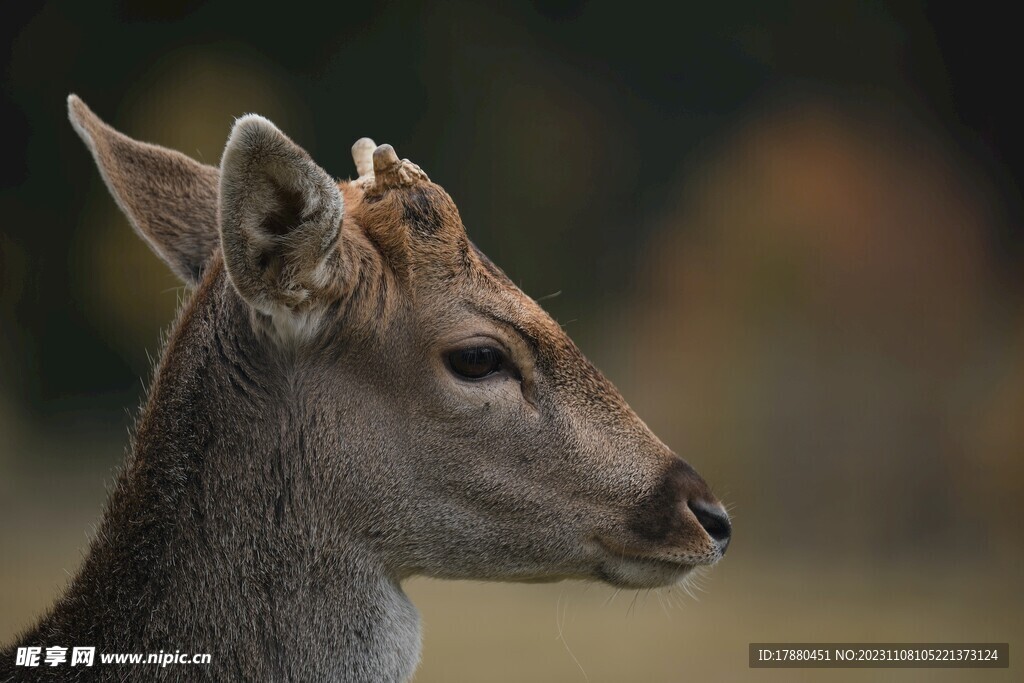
(714, 520)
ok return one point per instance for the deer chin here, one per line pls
(623, 567)
(642, 572)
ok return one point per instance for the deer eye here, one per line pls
(475, 362)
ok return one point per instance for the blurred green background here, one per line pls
(789, 231)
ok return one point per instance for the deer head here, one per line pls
(443, 421)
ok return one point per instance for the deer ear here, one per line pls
(280, 218)
(170, 199)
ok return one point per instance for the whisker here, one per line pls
(559, 624)
(632, 604)
(661, 602)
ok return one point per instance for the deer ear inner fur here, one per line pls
(280, 218)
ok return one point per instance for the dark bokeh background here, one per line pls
(790, 231)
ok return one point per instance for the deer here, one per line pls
(352, 394)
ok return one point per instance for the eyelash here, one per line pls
(476, 362)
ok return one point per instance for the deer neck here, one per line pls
(209, 543)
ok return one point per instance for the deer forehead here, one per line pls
(418, 218)
(417, 225)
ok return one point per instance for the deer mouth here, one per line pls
(625, 567)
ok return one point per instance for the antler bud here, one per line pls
(362, 154)
(389, 171)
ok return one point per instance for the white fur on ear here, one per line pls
(280, 218)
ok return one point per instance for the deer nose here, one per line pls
(714, 519)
